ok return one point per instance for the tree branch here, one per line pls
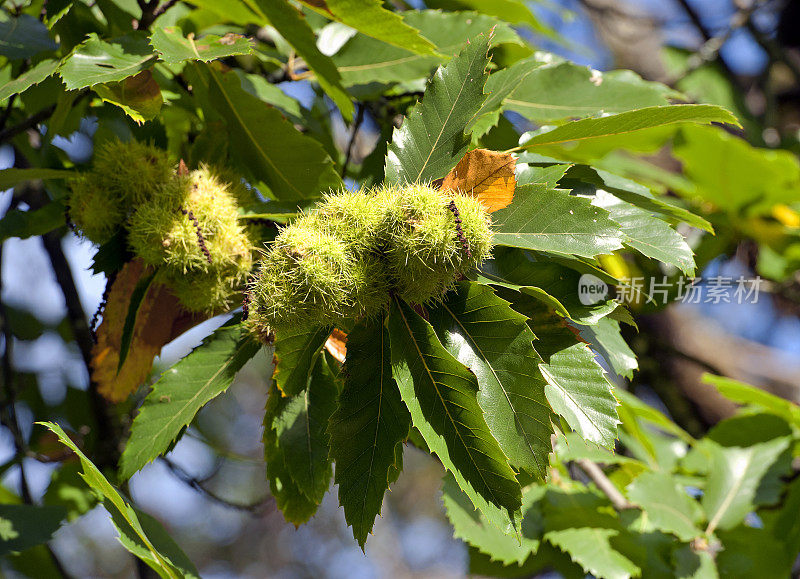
(773, 49)
(594, 472)
(197, 485)
(708, 36)
(107, 454)
(28, 123)
(8, 416)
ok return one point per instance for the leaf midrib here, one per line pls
(449, 114)
(201, 390)
(499, 383)
(545, 369)
(250, 135)
(441, 400)
(375, 437)
(728, 499)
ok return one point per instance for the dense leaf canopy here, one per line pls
(517, 386)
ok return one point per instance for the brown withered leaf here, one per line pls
(160, 319)
(487, 175)
(337, 345)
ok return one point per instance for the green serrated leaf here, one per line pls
(173, 47)
(234, 11)
(637, 194)
(514, 11)
(570, 446)
(748, 428)
(25, 224)
(368, 428)
(300, 427)
(99, 61)
(13, 177)
(734, 476)
(545, 89)
(577, 387)
(260, 87)
(592, 550)
(296, 352)
(668, 507)
(441, 395)
(547, 219)
(431, 140)
(529, 170)
(292, 25)
(471, 527)
(579, 522)
(649, 414)
(27, 79)
(139, 96)
(746, 394)
(23, 36)
(482, 332)
(182, 390)
(547, 559)
(296, 507)
(604, 336)
(648, 235)
(631, 122)
(364, 60)
(371, 18)
(164, 557)
(732, 174)
(25, 526)
(266, 146)
(158, 535)
(552, 283)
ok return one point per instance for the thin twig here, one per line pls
(9, 397)
(7, 112)
(599, 478)
(707, 35)
(356, 126)
(28, 123)
(773, 48)
(197, 485)
(709, 51)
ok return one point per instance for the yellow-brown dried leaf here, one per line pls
(159, 320)
(337, 345)
(487, 175)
